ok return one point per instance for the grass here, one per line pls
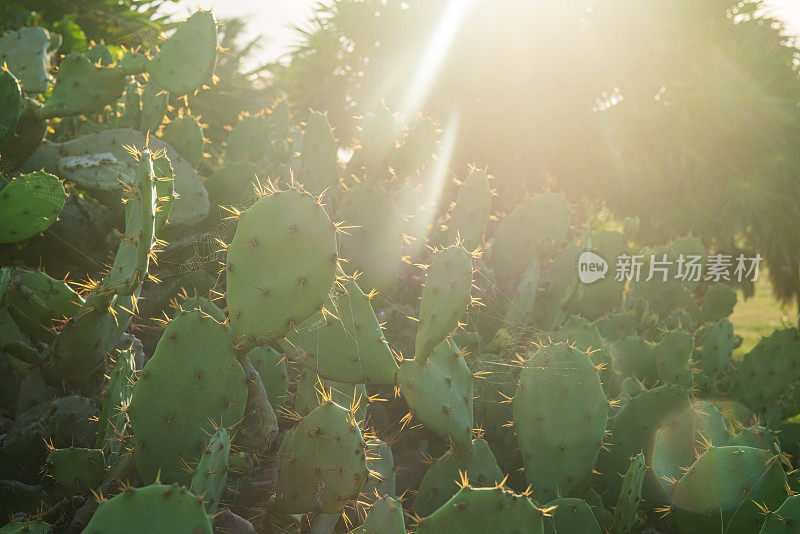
(760, 316)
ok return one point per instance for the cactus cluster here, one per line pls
(282, 341)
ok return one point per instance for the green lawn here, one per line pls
(760, 316)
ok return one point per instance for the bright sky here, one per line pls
(275, 19)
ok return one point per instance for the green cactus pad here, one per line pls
(721, 490)
(560, 408)
(374, 244)
(85, 340)
(186, 60)
(534, 228)
(439, 392)
(320, 167)
(345, 342)
(192, 381)
(153, 508)
(445, 298)
(248, 140)
(570, 515)
(113, 418)
(714, 344)
(773, 366)
(79, 469)
(25, 53)
(382, 477)
(709, 423)
(133, 254)
(10, 105)
(635, 356)
(585, 336)
(82, 87)
(660, 423)
(520, 310)
(232, 186)
(155, 104)
(755, 436)
(672, 355)
(27, 527)
(717, 303)
(384, 517)
(36, 301)
(471, 214)
(185, 135)
(495, 510)
(785, 519)
(29, 205)
(211, 473)
(204, 305)
(420, 143)
(379, 132)
(604, 295)
(323, 464)
(271, 367)
(629, 496)
(442, 478)
(281, 265)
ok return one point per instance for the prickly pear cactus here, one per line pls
(570, 515)
(193, 381)
(439, 392)
(25, 53)
(248, 139)
(629, 496)
(755, 436)
(311, 390)
(672, 355)
(113, 419)
(559, 407)
(445, 298)
(484, 510)
(82, 87)
(534, 228)
(211, 473)
(186, 60)
(783, 520)
(136, 243)
(323, 464)
(30, 204)
(153, 508)
(441, 480)
(373, 246)
(726, 488)
(773, 366)
(660, 423)
(27, 527)
(471, 214)
(36, 301)
(717, 303)
(344, 342)
(384, 517)
(10, 105)
(635, 356)
(185, 134)
(281, 265)
(74, 468)
(271, 367)
(320, 167)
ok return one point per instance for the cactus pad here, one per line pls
(29, 205)
(281, 265)
(192, 381)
